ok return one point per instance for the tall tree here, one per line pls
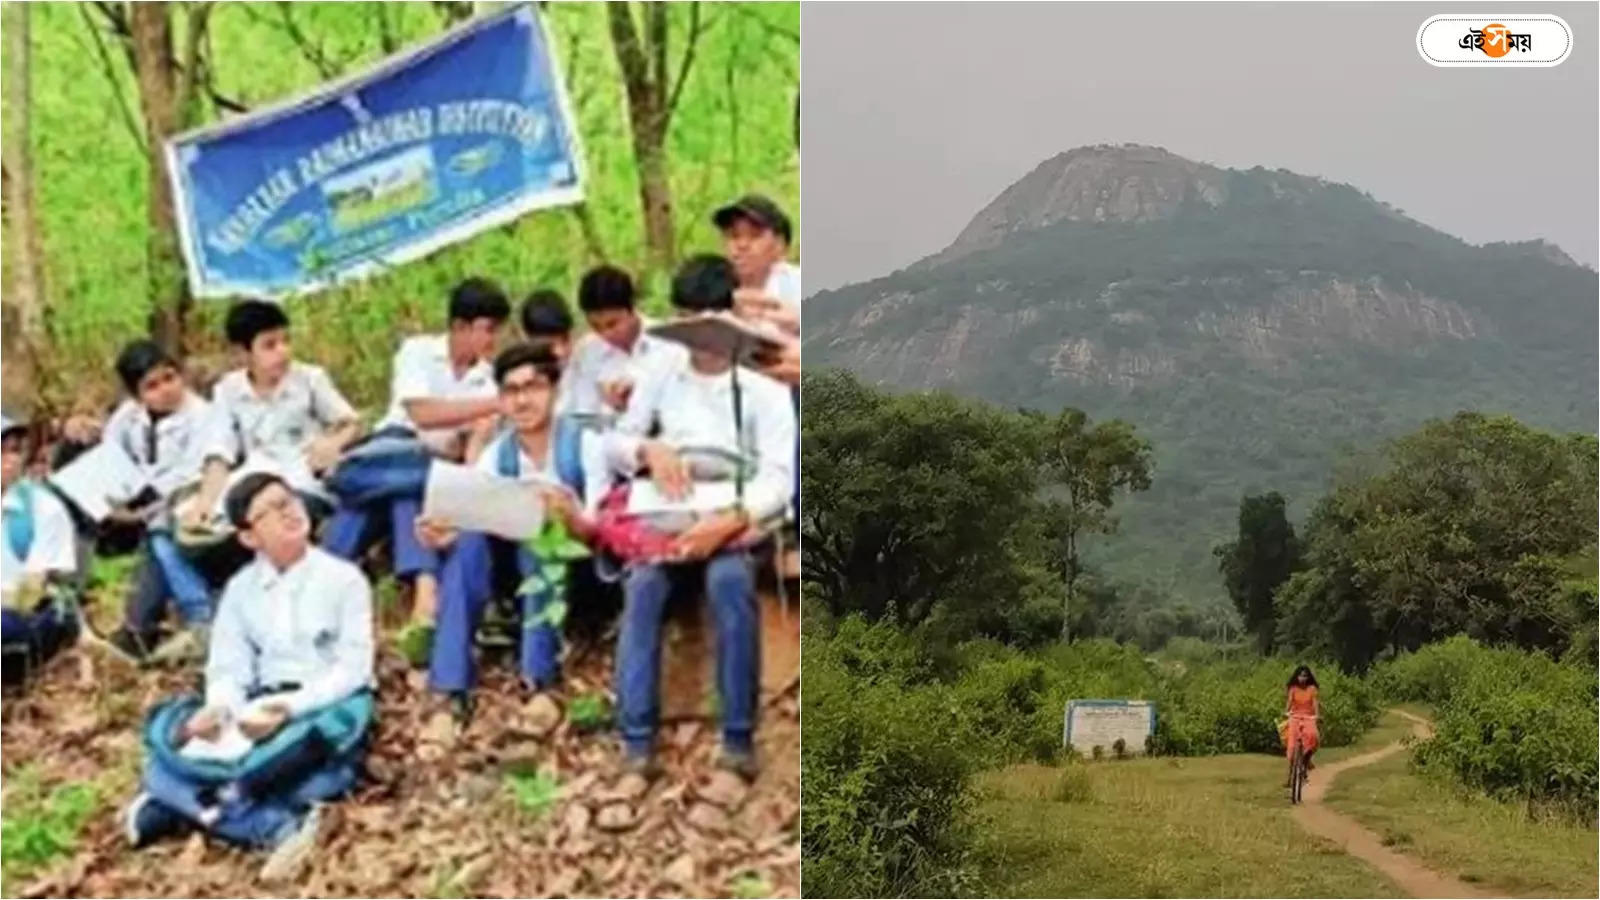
(1089, 465)
(653, 89)
(168, 104)
(1471, 527)
(1263, 557)
(24, 296)
(912, 502)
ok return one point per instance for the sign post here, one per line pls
(1094, 728)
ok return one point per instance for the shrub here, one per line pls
(886, 768)
(1511, 723)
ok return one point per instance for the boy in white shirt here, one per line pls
(290, 670)
(700, 404)
(477, 565)
(275, 411)
(756, 236)
(442, 391)
(38, 558)
(164, 428)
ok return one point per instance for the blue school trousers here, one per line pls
(29, 639)
(372, 490)
(474, 568)
(167, 572)
(729, 583)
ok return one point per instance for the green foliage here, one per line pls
(733, 132)
(1470, 526)
(41, 826)
(750, 886)
(1263, 557)
(1514, 724)
(886, 768)
(589, 712)
(535, 794)
(1234, 706)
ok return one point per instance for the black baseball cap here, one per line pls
(757, 209)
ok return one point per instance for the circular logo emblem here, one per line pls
(1496, 40)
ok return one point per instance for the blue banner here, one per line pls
(426, 149)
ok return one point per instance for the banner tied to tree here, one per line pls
(425, 149)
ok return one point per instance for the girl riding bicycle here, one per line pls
(1302, 707)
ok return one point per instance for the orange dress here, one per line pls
(1302, 708)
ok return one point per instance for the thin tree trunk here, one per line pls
(160, 102)
(24, 333)
(649, 111)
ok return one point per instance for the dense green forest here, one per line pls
(78, 101)
(1255, 343)
(1452, 567)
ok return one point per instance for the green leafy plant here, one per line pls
(750, 886)
(554, 549)
(589, 712)
(534, 794)
(38, 828)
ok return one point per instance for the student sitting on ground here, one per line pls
(695, 405)
(756, 236)
(275, 411)
(546, 320)
(615, 352)
(288, 700)
(163, 427)
(38, 562)
(478, 566)
(606, 363)
(443, 389)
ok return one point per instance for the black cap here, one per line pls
(757, 209)
(10, 423)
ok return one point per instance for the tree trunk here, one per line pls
(24, 314)
(155, 69)
(649, 111)
(1072, 581)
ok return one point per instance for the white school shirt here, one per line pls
(181, 440)
(54, 549)
(422, 369)
(783, 283)
(697, 410)
(489, 460)
(310, 624)
(279, 426)
(595, 360)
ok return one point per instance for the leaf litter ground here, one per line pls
(526, 803)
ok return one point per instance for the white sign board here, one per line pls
(1101, 723)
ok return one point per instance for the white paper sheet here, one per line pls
(231, 743)
(465, 498)
(704, 497)
(103, 476)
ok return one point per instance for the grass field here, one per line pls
(1221, 827)
(1499, 845)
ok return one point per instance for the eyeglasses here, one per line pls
(281, 507)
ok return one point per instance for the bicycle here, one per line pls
(1297, 764)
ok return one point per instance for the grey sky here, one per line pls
(917, 115)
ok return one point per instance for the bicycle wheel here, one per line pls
(1297, 775)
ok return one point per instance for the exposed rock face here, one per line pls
(1251, 323)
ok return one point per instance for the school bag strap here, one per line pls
(19, 519)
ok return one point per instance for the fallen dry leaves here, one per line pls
(437, 815)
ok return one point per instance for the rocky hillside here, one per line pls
(1254, 324)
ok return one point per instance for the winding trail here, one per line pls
(1413, 877)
